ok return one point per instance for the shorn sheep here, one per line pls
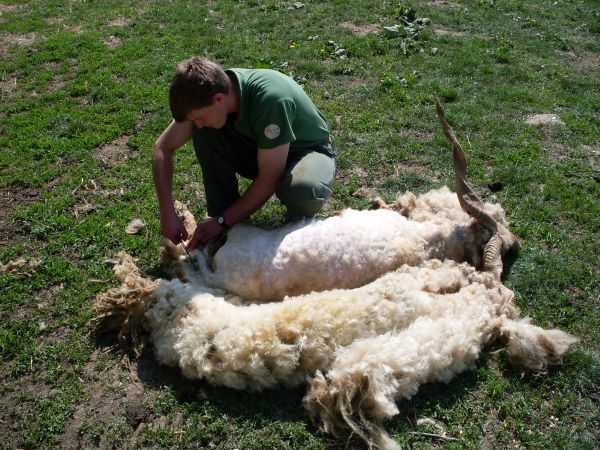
(419, 305)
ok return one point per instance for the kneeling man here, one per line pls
(257, 123)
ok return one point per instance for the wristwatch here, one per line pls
(221, 221)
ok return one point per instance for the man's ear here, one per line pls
(218, 97)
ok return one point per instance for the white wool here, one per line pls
(367, 377)
(364, 347)
(257, 345)
(344, 251)
(440, 206)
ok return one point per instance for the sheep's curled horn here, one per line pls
(470, 201)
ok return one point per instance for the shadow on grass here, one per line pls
(508, 261)
(277, 403)
(285, 403)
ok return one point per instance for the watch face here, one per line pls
(221, 220)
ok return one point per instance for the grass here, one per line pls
(84, 96)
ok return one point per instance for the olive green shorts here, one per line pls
(225, 153)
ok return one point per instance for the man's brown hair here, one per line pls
(195, 82)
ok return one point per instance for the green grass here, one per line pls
(78, 75)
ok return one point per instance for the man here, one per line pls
(259, 124)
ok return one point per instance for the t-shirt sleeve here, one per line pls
(273, 126)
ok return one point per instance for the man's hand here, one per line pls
(205, 231)
(172, 228)
(170, 140)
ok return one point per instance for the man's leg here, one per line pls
(306, 184)
(221, 155)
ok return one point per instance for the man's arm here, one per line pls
(174, 136)
(271, 165)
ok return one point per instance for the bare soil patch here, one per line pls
(57, 81)
(8, 8)
(115, 152)
(544, 119)
(420, 135)
(118, 395)
(420, 170)
(592, 155)
(589, 61)
(77, 29)
(556, 151)
(120, 22)
(362, 29)
(112, 42)
(586, 60)
(445, 3)
(19, 39)
(56, 84)
(111, 393)
(46, 297)
(9, 39)
(9, 86)
(17, 397)
(443, 31)
(10, 197)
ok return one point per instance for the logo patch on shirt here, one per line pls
(272, 131)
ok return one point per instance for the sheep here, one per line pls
(421, 297)
(254, 346)
(362, 348)
(267, 265)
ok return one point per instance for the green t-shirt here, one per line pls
(274, 110)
